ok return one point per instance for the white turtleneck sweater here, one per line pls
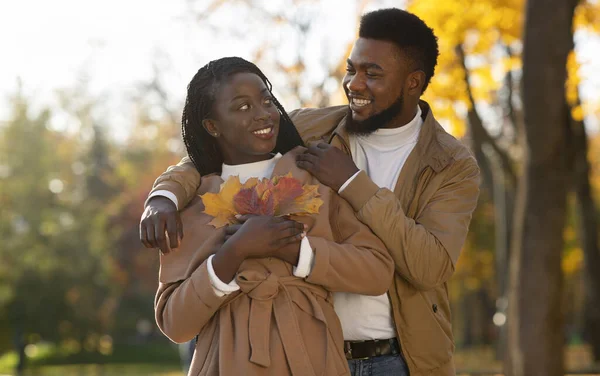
(381, 155)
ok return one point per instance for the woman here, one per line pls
(258, 294)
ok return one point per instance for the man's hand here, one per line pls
(161, 216)
(328, 164)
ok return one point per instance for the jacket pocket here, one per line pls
(440, 308)
(425, 335)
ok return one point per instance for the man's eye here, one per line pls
(372, 75)
(244, 107)
(349, 70)
(269, 101)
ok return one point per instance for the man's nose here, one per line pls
(356, 83)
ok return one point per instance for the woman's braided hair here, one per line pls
(202, 148)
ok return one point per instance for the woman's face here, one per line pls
(245, 119)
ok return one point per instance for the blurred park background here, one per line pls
(91, 94)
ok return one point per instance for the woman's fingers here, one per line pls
(289, 240)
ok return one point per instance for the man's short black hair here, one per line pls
(413, 37)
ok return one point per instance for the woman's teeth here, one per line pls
(360, 102)
(263, 131)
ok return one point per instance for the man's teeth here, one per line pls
(263, 131)
(360, 102)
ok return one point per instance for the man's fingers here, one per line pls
(144, 236)
(315, 149)
(307, 162)
(307, 157)
(150, 236)
(179, 227)
(323, 146)
(172, 232)
(161, 237)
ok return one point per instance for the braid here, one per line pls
(202, 148)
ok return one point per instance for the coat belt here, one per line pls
(270, 296)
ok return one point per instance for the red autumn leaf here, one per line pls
(248, 201)
(286, 190)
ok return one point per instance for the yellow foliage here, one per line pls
(573, 79)
(481, 27)
(577, 113)
(569, 234)
(477, 27)
(587, 16)
(572, 260)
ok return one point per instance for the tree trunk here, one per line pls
(588, 236)
(535, 332)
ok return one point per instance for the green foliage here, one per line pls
(67, 213)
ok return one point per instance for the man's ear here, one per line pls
(211, 127)
(415, 83)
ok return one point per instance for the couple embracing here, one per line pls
(357, 284)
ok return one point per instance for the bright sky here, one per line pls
(51, 45)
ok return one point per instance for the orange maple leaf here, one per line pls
(305, 204)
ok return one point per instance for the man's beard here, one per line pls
(374, 122)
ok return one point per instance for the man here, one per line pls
(412, 183)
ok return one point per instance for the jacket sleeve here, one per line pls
(183, 308)
(424, 249)
(357, 261)
(182, 180)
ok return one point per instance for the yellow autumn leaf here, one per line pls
(220, 205)
(305, 204)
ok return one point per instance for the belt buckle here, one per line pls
(348, 351)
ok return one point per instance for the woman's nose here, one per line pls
(262, 114)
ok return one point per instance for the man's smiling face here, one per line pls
(374, 84)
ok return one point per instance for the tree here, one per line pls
(535, 315)
(480, 71)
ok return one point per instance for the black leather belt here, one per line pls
(368, 349)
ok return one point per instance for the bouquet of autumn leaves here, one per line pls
(278, 196)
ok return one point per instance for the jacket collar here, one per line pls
(428, 147)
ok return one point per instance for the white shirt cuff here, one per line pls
(164, 193)
(347, 183)
(220, 288)
(305, 260)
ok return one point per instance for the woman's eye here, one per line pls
(244, 107)
(269, 101)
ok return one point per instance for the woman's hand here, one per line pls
(263, 236)
(255, 237)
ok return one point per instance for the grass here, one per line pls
(162, 359)
(104, 370)
(139, 359)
